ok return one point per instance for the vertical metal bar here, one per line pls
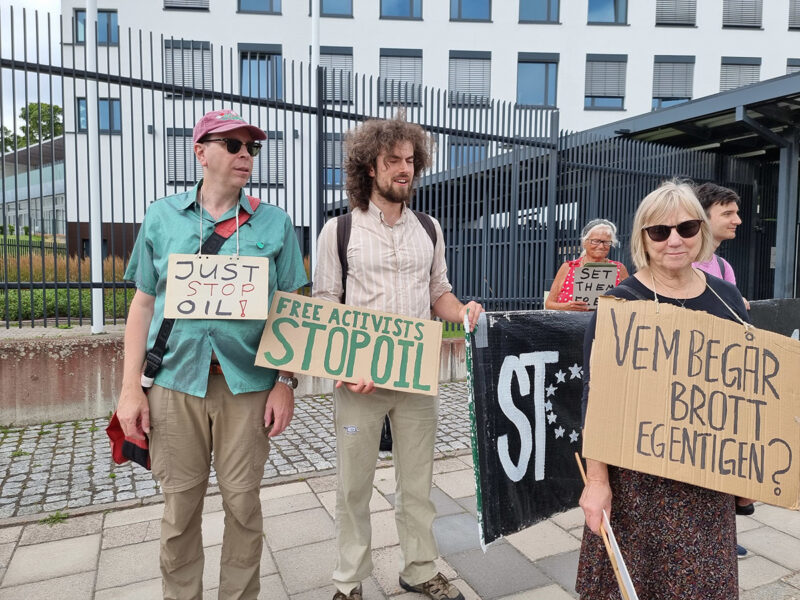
(320, 112)
(552, 177)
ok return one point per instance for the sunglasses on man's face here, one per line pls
(687, 229)
(233, 146)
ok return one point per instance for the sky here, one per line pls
(11, 104)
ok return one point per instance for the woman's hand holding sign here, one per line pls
(596, 496)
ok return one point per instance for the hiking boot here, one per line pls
(437, 588)
(355, 594)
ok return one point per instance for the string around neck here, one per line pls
(235, 217)
(705, 282)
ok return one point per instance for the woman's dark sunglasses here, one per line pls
(233, 146)
(687, 229)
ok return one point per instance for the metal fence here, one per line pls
(509, 189)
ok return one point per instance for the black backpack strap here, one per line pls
(344, 223)
(427, 225)
(721, 264)
(633, 292)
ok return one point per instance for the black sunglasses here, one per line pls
(233, 146)
(687, 229)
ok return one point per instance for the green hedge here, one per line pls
(68, 304)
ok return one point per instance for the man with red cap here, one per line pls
(207, 397)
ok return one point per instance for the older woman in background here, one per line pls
(597, 237)
(678, 540)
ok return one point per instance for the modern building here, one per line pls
(597, 61)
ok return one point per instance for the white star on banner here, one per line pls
(573, 437)
(548, 406)
(560, 376)
(575, 371)
(559, 432)
(551, 418)
(550, 389)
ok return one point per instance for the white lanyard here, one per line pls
(236, 217)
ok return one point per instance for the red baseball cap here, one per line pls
(218, 121)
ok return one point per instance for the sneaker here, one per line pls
(437, 588)
(741, 551)
(746, 510)
(355, 594)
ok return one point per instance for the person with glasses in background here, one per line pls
(207, 397)
(679, 539)
(597, 237)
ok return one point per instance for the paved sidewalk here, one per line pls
(67, 466)
(109, 551)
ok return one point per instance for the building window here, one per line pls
(741, 13)
(333, 160)
(605, 81)
(470, 76)
(738, 71)
(82, 119)
(270, 7)
(338, 64)
(673, 77)
(676, 12)
(186, 4)
(794, 14)
(269, 167)
(537, 76)
(400, 76)
(608, 11)
(401, 9)
(792, 65)
(465, 151)
(261, 70)
(470, 10)
(182, 165)
(538, 11)
(336, 8)
(109, 115)
(187, 63)
(107, 30)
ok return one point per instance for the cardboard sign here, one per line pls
(692, 397)
(347, 343)
(213, 286)
(593, 280)
(526, 380)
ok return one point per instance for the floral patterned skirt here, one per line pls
(678, 541)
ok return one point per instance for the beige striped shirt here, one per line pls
(389, 267)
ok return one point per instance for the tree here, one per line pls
(8, 139)
(40, 119)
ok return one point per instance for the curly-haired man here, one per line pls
(392, 266)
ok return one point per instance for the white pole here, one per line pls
(314, 63)
(92, 136)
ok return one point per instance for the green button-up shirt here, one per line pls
(172, 225)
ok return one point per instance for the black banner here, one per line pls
(527, 370)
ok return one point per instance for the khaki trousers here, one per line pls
(185, 430)
(358, 420)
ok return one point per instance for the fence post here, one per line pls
(321, 200)
(552, 197)
(93, 164)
